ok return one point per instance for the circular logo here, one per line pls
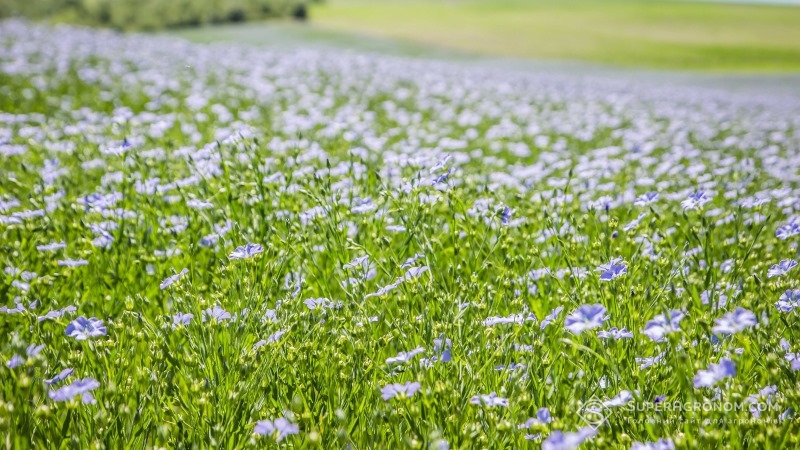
(593, 412)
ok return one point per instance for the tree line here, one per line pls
(153, 14)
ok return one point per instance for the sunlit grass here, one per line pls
(650, 34)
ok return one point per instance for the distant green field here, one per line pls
(291, 34)
(634, 33)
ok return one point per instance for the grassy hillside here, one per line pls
(673, 35)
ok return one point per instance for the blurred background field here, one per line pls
(656, 34)
(740, 36)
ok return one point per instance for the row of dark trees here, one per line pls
(153, 14)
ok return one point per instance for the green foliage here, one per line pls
(152, 14)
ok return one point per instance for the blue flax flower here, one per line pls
(182, 319)
(551, 317)
(615, 333)
(663, 325)
(715, 373)
(490, 400)
(57, 313)
(280, 428)
(216, 313)
(505, 216)
(558, 440)
(60, 377)
(789, 300)
(78, 387)
(392, 390)
(542, 417)
(83, 328)
(587, 317)
(403, 357)
(781, 268)
(15, 362)
(734, 322)
(613, 269)
(646, 199)
(246, 251)
(169, 281)
(695, 200)
(790, 229)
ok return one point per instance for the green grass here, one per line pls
(633, 33)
